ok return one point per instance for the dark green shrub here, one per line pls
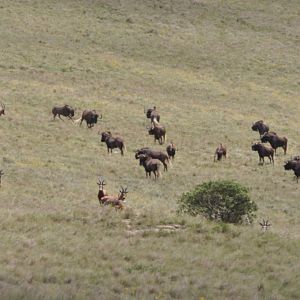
(223, 200)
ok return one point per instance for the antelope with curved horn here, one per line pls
(115, 200)
(102, 192)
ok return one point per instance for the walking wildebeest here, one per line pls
(171, 150)
(66, 111)
(293, 165)
(90, 116)
(163, 157)
(150, 165)
(2, 109)
(152, 114)
(159, 133)
(275, 141)
(220, 152)
(263, 152)
(260, 127)
(112, 142)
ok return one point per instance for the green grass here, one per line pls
(212, 68)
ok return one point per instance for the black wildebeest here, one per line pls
(2, 109)
(159, 133)
(275, 141)
(171, 150)
(163, 157)
(150, 165)
(260, 127)
(90, 116)
(112, 142)
(293, 165)
(152, 114)
(263, 152)
(66, 111)
(220, 152)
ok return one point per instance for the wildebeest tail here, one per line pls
(78, 120)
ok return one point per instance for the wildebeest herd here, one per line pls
(153, 160)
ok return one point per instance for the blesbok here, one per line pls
(66, 111)
(112, 142)
(159, 133)
(220, 152)
(152, 113)
(264, 225)
(263, 152)
(2, 109)
(150, 165)
(171, 150)
(90, 116)
(115, 200)
(293, 165)
(275, 141)
(163, 157)
(260, 127)
(102, 192)
(1, 174)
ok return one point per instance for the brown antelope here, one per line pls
(2, 109)
(1, 174)
(115, 200)
(102, 192)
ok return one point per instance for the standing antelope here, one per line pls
(102, 192)
(2, 109)
(1, 174)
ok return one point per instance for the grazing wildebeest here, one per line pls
(112, 142)
(263, 152)
(150, 165)
(66, 111)
(114, 200)
(293, 165)
(1, 174)
(220, 152)
(90, 116)
(159, 133)
(171, 150)
(260, 127)
(275, 141)
(163, 157)
(2, 109)
(152, 114)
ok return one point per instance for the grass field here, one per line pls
(212, 68)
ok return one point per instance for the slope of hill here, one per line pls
(212, 68)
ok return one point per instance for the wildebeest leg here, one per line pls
(81, 122)
(107, 149)
(54, 115)
(165, 166)
(285, 148)
(70, 118)
(60, 117)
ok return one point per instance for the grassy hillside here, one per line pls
(212, 68)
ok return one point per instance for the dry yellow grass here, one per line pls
(211, 68)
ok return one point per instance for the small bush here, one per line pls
(224, 200)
